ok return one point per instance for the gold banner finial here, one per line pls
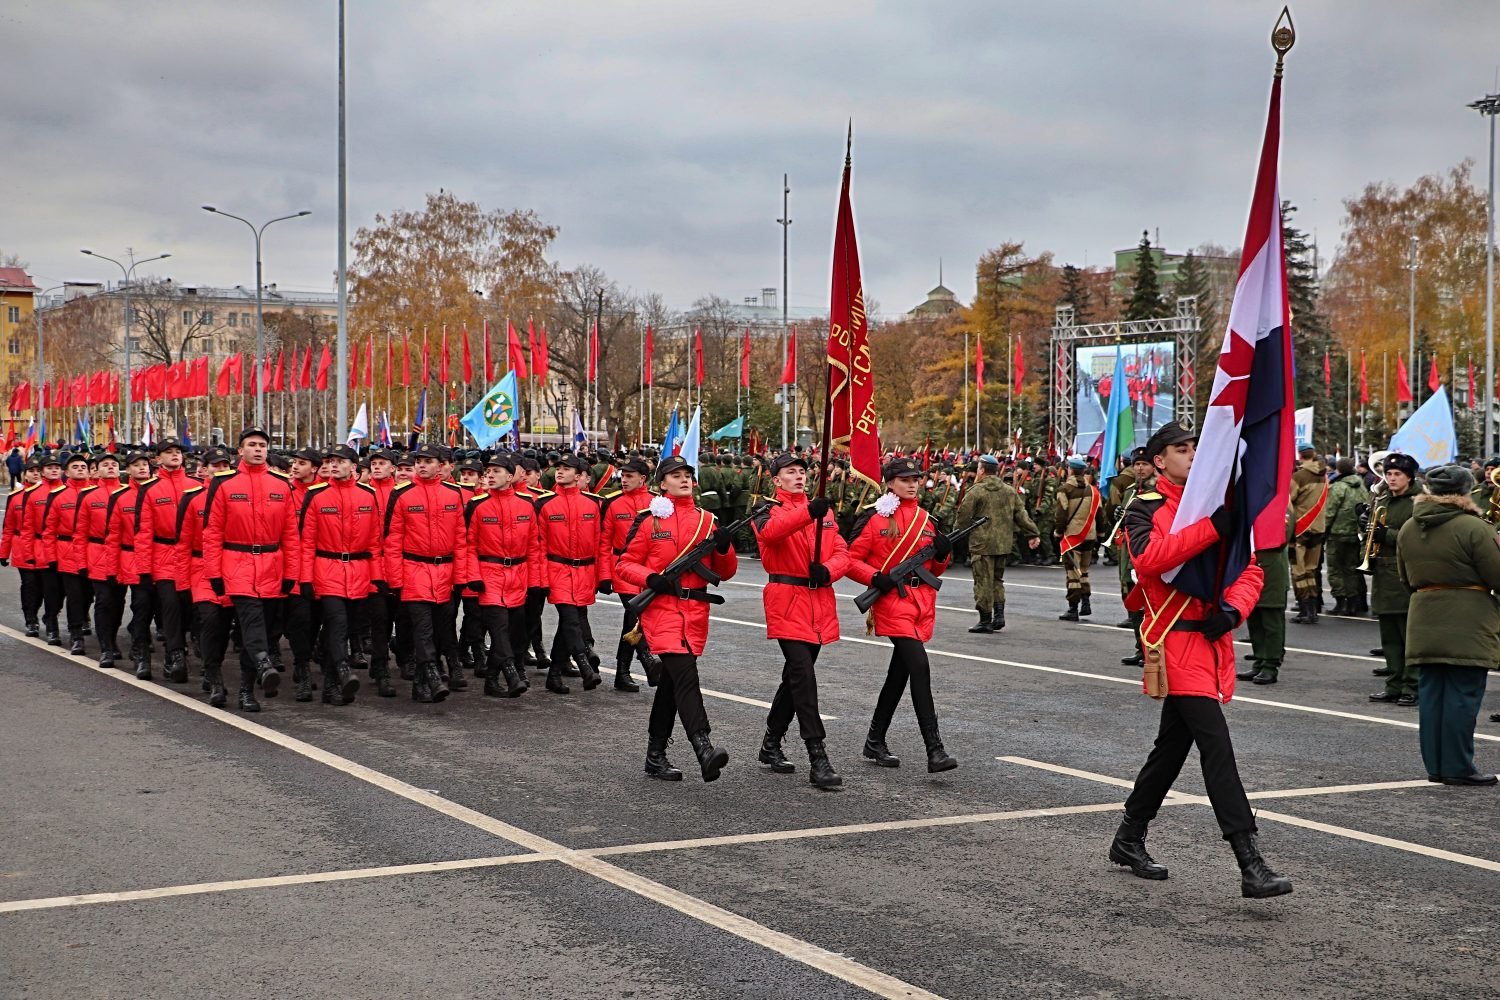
(1283, 37)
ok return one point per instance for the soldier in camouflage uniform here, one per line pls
(944, 498)
(1343, 550)
(744, 490)
(1076, 528)
(710, 484)
(1044, 504)
(990, 543)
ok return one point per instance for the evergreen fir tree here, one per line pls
(1311, 334)
(1193, 279)
(1145, 296)
(1075, 293)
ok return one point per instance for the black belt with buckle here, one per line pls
(341, 556)
(429, 560)
(570, 562)
(254, 550)
(502, 560)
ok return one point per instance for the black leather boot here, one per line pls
(657, 765)
(586, 663)
(820, 771)
(594, 660)
(1301, 617)
(1129, 849)
(650, 663)
(456, 681)
(711, 760)
(554, 680)
(997, 616)
(75, 648)
(1072, 613)
(1340, 606)
(247, 691)
(176, 669)
(53, 638)
(266, 675)
(32, 631)
(623, 680)
(876, 750)
(983, 625)
(302, 677)
(771, 755)
(1085, 608)
(380, 676)
(937, 757)
(142, 663)
(339, 684)
(436, 685)
(1257, 880)
(107, 657)
(1312, 610)
(516, 683)
(217, 696)
(406, 671)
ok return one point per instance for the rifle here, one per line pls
(915, 565)
(692, 561)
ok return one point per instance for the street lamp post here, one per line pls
(125, 287)
(784, 222)
(1489, 106)
(260, 329)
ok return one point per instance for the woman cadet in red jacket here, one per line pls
(340, 528)
(16, 545)
(675, 623)
(1192, 640)
(211, 611)
(505, 557)
(63, 536)
(891, 531)
(800, 610)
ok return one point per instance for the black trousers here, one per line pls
(52, 597)
(338, 615)
(1186, 720)
(298, 621)
(570, 637)
(426, 618)
(501, 625)
(172, 609)
(213, 633)
(142, 599)
(471, 634)
(31, 595)
(445, 630)
(798, 692)
(381, 610)
(624, 650)
(76, 593)
(536, 604)
(257, 623)
(109, 611)
(908, 664)
(677, 695)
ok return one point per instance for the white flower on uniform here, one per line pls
(886, 505)
(661, 507)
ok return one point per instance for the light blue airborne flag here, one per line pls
(1119, 422)
(734, 429)
(1428, 434)
(495, 414)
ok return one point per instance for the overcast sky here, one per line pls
(655, 134)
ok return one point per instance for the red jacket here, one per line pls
(785, 535)
(881, 542)
(156, 523)
(190, 549)
(672, 624)
(505, 547)
(426, 545)
(340, 539)
(1195, 666)
(15, 545)
(34, 523)
(63, 531)
(94, 525)
(570, 531)
(119, 539)
(250, 531)
(619, 510)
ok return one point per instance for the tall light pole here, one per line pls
(36, 314)
(1489, 106)
(341, 396)
(784, 222)
(260, 329)
(126, 272)
(1411, 322)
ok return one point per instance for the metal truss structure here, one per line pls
(1183, 328)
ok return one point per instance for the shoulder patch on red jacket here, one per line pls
(221, 472)
(367, 488)
(401, 486)
(279, 474)
(317, 486)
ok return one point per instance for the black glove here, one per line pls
(216, 584)
(883, 582)
(1364, 519)
(395, 592)
(458, 591)
(4, 562)
(941, 547)
(146, 582)
(287, 586)
(723, 540)
(817, 507)
(1220, 624)
(113, 581)
(381, 588)
(661, 584)
(1221, 521)
(477, 586)
(819, 575)
(1382, 533)
(605, 587)
(306, 590)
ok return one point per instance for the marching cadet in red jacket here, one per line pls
(33, 524)
(109, 594)
(676, 620)
(211, 611)
(465, 648)
(800, 611)
(570, 531)
(426, 551)
(340, 536)
(893, 530)
(299, 621)
(381, 608)
(62, 535)
(619, 511)
(250, 553)
(120, 543)
(505, 558)
(155, 542)
(1191, 640)
(16, 546)
(534, 653)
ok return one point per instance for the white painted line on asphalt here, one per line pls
(1289, 820)
(838, 966)
(1374, 786)
(270, 882)
(775, 836)
(726, 696)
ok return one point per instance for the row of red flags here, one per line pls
(1403, 384)
(1017, 366)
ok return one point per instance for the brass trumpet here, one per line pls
(1492, 514)
(1372, 547)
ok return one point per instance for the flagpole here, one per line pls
(966, 390)
(1010, 355)
(1349, 399)
(1385, 379)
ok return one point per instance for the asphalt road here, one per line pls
(485, 847)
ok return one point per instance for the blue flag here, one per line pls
(495, 414)
(734, 429)
(670, 438)
(416, 425)
(1119, 427)
(1428, 434)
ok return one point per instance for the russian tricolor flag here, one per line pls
(1245, 449)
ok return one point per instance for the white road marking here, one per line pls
(838, 966)
(274, 881)
(1133, 682)
(1374, 786)
(725, 696)
(1306, 824)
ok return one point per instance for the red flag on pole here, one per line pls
(1364, 384)
(1434, 380)
(1327, 374)
(1473, 399)
(789, 369)
(468, 363)
(489, 365)
(1403, 386)
(406, 358)
(307, 369)
(697, 357)
(850, 417)
(978, 365)
(745, 362)
(325, 360)
(648, 377)
(594, 352)
(1018, 366)
(443, 358)
(515, 357)
(280, 383)
(541, 363)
